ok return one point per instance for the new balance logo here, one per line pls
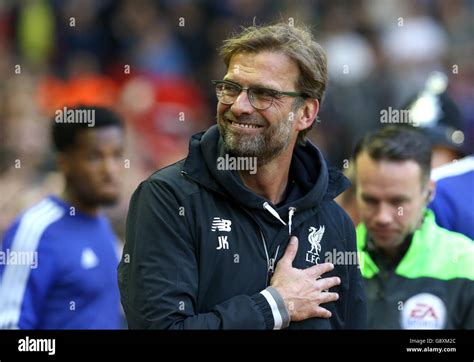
(223, 243)
(220, 224)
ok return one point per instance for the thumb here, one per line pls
(291, 251)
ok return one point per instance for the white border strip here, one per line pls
(274, 307)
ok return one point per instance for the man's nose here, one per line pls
(242, 105)
(384, 214)
(111, 166)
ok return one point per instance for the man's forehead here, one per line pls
(265, 68)
(384, 166)
(98, 136)
(387, 174)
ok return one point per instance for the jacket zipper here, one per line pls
(270, 261)
(266, 206)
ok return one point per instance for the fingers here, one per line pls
(311, 308)
(290, 251)
(321, 312)
(326, 283)
(327, 297)
(318, 270)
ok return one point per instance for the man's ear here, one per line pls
(309, 112)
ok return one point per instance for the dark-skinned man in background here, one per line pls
(67, 276)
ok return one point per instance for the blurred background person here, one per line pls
(454, 198)
(67, 277)
(438, 117)
(417, 275)
(435, 113)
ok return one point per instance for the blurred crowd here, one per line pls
(152, 62)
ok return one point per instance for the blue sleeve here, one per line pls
(443, 209)
(25, 275)
(453, 202)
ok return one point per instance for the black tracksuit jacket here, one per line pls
(200, 247)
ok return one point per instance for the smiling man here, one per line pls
(214, 248)
(417, 274)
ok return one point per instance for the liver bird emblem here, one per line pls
(314, 238)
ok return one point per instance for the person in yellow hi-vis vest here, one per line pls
(417, 275)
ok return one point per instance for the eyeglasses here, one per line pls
(260, 98)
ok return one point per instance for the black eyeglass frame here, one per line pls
(273, 92)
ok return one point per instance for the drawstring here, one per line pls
(272, 211)
(291, 212)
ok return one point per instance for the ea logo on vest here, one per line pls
(423, 311)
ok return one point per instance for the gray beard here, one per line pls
(265, 146)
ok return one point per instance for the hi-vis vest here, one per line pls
(431, 288)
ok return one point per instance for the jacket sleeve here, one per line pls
(159, 275)
(356, 316)
(24, 286)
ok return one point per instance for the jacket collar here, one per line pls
(308, 168)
